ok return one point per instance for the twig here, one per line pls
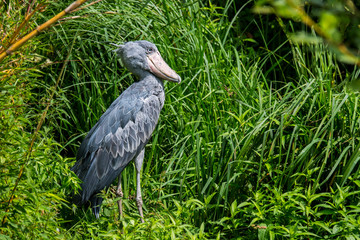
(40, 28)
(26, 20)
(81, 8)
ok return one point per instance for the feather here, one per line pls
(102, 162)
(118, 137)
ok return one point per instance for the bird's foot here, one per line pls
(139, 204)
(120, 194)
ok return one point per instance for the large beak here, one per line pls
(160, 68)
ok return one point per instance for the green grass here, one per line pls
(259, 141)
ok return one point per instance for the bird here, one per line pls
(122, 132)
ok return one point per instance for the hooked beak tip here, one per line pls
(160, 68)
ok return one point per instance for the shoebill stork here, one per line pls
(124, 129)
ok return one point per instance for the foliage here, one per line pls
(259, 141)
(335, 22)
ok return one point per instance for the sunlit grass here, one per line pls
(242, 149)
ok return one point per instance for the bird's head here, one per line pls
(141, 57)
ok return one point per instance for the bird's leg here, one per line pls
(138, 164)
(139, 201)
(120, 194)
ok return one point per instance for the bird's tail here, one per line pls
(96, 202)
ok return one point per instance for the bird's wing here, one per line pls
(119, 135)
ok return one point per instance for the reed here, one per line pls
(259, 141)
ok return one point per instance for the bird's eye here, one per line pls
(149, 50)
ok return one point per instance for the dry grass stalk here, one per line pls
(40, 28)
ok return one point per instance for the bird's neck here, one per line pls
(152, 81)
(154, 86)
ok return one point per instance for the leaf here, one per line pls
(323, 226)
(305, 38)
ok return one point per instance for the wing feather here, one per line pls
(101, 166)
(119, 136)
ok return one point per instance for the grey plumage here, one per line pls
(124, 129)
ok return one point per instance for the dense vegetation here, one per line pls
(259, 141)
